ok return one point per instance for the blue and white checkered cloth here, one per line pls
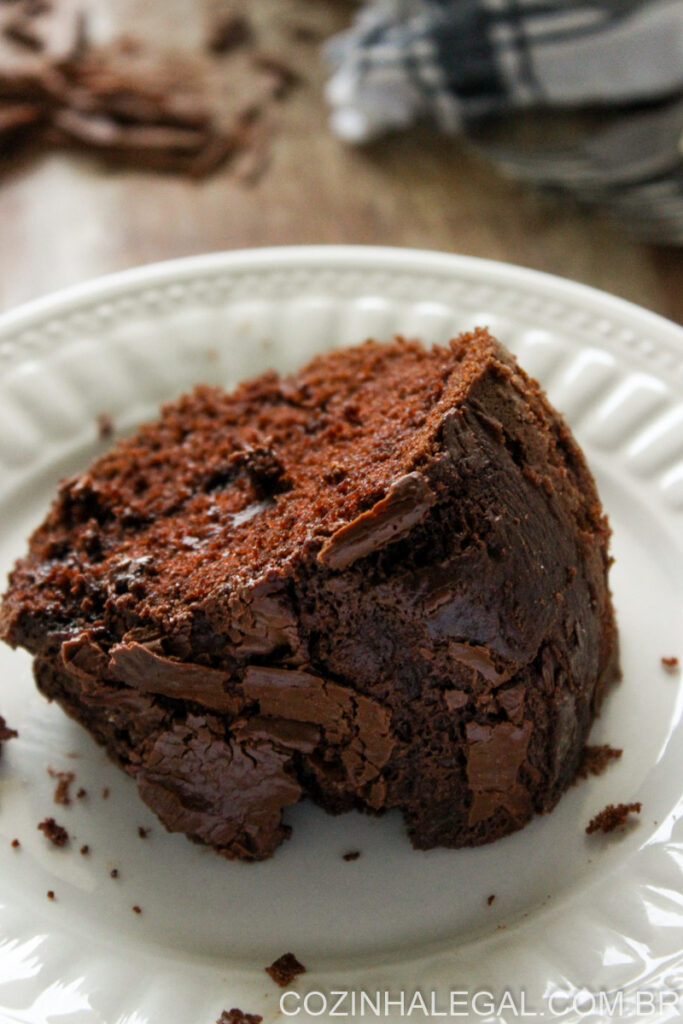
(462, 63)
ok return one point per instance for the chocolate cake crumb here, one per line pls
(114, 873)
(284, 970)
(57, 834)
(62, 793)
(143, 832)
(237, 1016)
(613, 816)
(105, 426)
(84, 850)
(105, 793)
(670, 664)
(50, 894)
(351, 855)
(6, 733)
(137, 909)
(595, 760)
(264, 469)
(81, 793)
(15, 844)
(229, 30)
(490, 899)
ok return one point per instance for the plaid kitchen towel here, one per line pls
(464, 63)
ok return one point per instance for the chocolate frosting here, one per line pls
(260, 618)
(357, 724)
(219, 792)
(495, 753)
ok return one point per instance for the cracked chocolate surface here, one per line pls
(378, 583)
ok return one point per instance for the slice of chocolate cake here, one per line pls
(380, 582)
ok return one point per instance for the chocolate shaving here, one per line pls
(131, 106)
(405, 504)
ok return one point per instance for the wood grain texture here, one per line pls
(65, 219)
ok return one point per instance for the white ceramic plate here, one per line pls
(572, 914)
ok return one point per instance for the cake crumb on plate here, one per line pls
(611, 817)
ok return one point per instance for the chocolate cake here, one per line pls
(379, 583)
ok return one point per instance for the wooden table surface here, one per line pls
(64, 219)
